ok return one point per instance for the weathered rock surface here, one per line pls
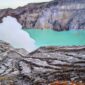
(47, 64)
(58, 15)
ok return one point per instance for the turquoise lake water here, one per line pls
(48, 37)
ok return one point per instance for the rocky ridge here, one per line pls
(45, 65)
(58, 15)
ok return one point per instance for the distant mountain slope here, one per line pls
(57, 14)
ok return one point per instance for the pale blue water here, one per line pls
(48, 37)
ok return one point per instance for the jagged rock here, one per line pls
(68, 13)
(78, 20)
(45, 65)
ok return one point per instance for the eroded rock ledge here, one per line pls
(47, 64)
(57, 14)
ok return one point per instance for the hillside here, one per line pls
(58, 15)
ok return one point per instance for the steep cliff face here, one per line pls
(58, 15)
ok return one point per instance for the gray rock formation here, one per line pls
(45, 65)
(69, 14)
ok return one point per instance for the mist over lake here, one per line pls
(11, 32)
(30, 39)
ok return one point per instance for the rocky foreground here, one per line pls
(45, 65)
(57, 14)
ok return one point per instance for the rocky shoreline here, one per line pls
(57, 14)
(41, 67)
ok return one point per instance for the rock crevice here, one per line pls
(42, 66)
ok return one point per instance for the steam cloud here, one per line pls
(11, 32)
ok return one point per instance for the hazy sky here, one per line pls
(16, 3)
